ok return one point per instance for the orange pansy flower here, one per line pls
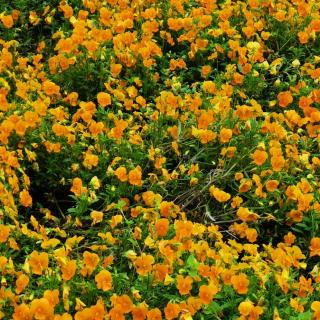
(38, 262)
(104, 280)
(25, 198)
(143, 264)
(68, 270)
(207, 292)
(104, 99)
(285, 98)
(259, 157)
(314, 247)
(240, 283)
(22, 312)
(41, 309)
(121, 174)
(91, 261)
(21, 282)
(52, 296)
(219, 195)
(162, 227)
(4, 233)
(225, 135)
(135, 176)
(184, 284)
(171, 311)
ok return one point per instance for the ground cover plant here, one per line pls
(159, 159)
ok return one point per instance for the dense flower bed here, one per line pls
(159, 159)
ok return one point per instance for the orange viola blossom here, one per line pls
(25, 198)
(121, 174)
(289, 238)
(259, 157)
(143, 264)
(96, 216)
(104, 280)
(21, 283)
(77, 187)
(246, 215)
(315, 307)
(68, 269)
(240, 283)
(219, 195)
(315, 247)
(207, 293)
(171, 311)
(7, 21)
(52, 296)
(22, 312)
(184, 284)
(122, 303)
(154, 314)
(225, 135)
(151, 199)
(135, 176)
(104, 99)
(249, 311)
(90, 261)
(162, 227)
(41, 309)
(272, 185)
(39, 262)
(4, 233)
(285, 98)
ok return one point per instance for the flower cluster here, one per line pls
(159, 159)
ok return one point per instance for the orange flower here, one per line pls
(289, 238)
(154, 314)
(121, 174)
(38, 262)
(123, 303)
(225, 135)
(277, 162)
(135, 176)
(245, 307)
(96, 216)
(22, 312)
(41, 309)
(90, 260)
(285, 98)
(315, 307)
(206, 293)
(25, 198)
(240, 283)
(184, 285)
(219, 195)
(114, 314)
(50, 88)
(272, 185)
(314, 247)
(4, 233)
(52, 296)
(21, 283)
(143, 264)
(77, 187)
(104, 280)
(104, 99)
(162, 227)
(251, 234)
(139, 313)
(115, 69)
(68, 270)
(171, 311)
(7, 21)
(259, 157)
